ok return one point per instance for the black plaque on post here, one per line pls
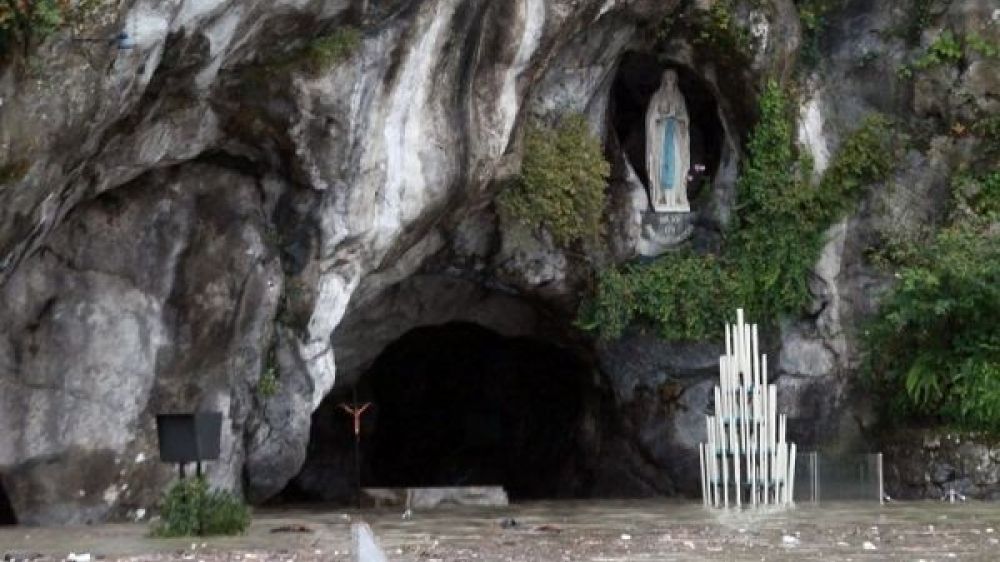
(188, 438)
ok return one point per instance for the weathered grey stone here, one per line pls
(804, 356)
(149, 300)
(663, 392)
(660, 232)
(434, 497)
(424, 300)
(926, 464)
(641, 359)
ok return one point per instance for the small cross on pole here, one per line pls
(356, 412)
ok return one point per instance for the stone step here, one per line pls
(432, 497)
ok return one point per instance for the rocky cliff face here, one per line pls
(225, 200)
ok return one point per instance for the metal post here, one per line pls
(356, 412)
(881, 482)
(357, 467)
(704, 475)
(815, 456)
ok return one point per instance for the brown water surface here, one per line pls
(593, 531)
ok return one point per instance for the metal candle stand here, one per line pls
(746, 452)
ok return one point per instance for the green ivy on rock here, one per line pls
(24, 23)
(561, 187)
(950, 49)
(325, 51)
(813, 18)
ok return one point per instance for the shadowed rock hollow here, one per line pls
(458, 404)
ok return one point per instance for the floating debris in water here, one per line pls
(295, 528)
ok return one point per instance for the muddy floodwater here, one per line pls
(597, 531)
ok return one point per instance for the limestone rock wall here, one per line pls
(157, 297)
(205, 207)
(929, 464)
(188, 218)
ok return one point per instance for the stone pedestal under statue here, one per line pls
(661, 232)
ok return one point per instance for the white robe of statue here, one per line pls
(668, 149)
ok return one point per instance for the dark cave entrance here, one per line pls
(7, 516)
(453, 405)
(638, 78)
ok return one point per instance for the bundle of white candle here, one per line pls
(746, 458)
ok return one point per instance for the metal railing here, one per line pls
(823, 477)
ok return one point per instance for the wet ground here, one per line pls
(592, 531)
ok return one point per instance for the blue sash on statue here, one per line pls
(667, 164)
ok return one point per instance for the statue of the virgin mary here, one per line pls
(668, 151)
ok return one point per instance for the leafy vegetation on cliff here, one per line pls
(13, 171)
(327, 50)
(561, 187)
(934, 350)
(715, 29)
(950, 49)
(318, 55)
(814, 16)
(25, 22)
(774, 241)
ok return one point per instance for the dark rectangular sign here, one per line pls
(189, 437)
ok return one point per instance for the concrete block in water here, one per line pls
(430, 498)
(366, 548)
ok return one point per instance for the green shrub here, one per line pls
(561, 187)
(325, 51)
(987, 128)
(318, 55)
(14, 171)
(813, 17)
(977, 44)
(980, 195)
(717, 30)
(774, 241)
(224, 514)
(950, 49)
(25, 23)
(933, 352)
(269, 384)
(919, 15)
(191, 509)
(682, 295)
(945, 49)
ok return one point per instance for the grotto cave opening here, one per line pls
(457, 404)
(7, 516)
(637, 80)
